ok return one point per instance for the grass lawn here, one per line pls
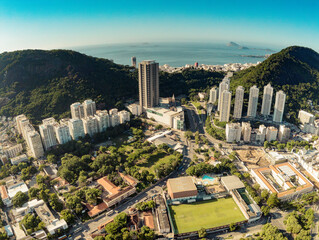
(205, 214)
(197, 104)
(155, 160)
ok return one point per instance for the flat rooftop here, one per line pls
(232, 182)
(286, 170)
(182, 184)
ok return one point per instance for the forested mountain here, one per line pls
(295, 70)
(42, 83)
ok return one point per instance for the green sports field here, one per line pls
(205, 214)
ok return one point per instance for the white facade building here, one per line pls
(271, 134)
(267, 100)
(62, 133)
(261, 134)
(239, 100)
(77, 110)
(305, 117)
(213, 95)
(90, 125)
(103, 120)
(225, 101)
(253, 102)
(173, 119)
(279, 106)
(224, 85)
(76, 128)
(246, 131)
(283, 134)
(89, 108)
(233, 132)
(135, 109)
(47, 133)
(124, 116)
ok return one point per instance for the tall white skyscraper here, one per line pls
(279, 106)
(253, 101)
(148, 84)
(89, 108)
(77, 110)
(224, 85)
(267, 99)
(47, 133)
(225, 106)
(239, 100)
(213, 95)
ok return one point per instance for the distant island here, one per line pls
(233, 44)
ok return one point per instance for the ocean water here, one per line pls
(178, 54)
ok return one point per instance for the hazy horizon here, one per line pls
(57, 24)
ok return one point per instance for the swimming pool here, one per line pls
(206, 177)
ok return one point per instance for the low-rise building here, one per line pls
(182, 188)
(283, 179)
(309, 160)
(173, 119)
(12, 151)
(113, 194)
(4, 196)
(17, 187)
(18, 159)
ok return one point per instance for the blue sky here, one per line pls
(60, 24)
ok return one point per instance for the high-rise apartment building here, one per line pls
(89, 108)
(62, 133)
(47, 133)
(239, 100)
(90, 125)
(77, 110)
(115, 120)
(76, 128)
(246, 131)
(271, 133)
(224, 85)
(148, 84)
(305, 117)
(35, 144)
(279, 106)
(253, 102)
(233, 132)
(124, 116)
(267, 99)
(213, 95)
(103, 120)
(283, 133)
(261, 134)
(133, 61)
(18, 122)
(225, 106)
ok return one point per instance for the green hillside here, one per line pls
(42, 83)
(295, 70)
